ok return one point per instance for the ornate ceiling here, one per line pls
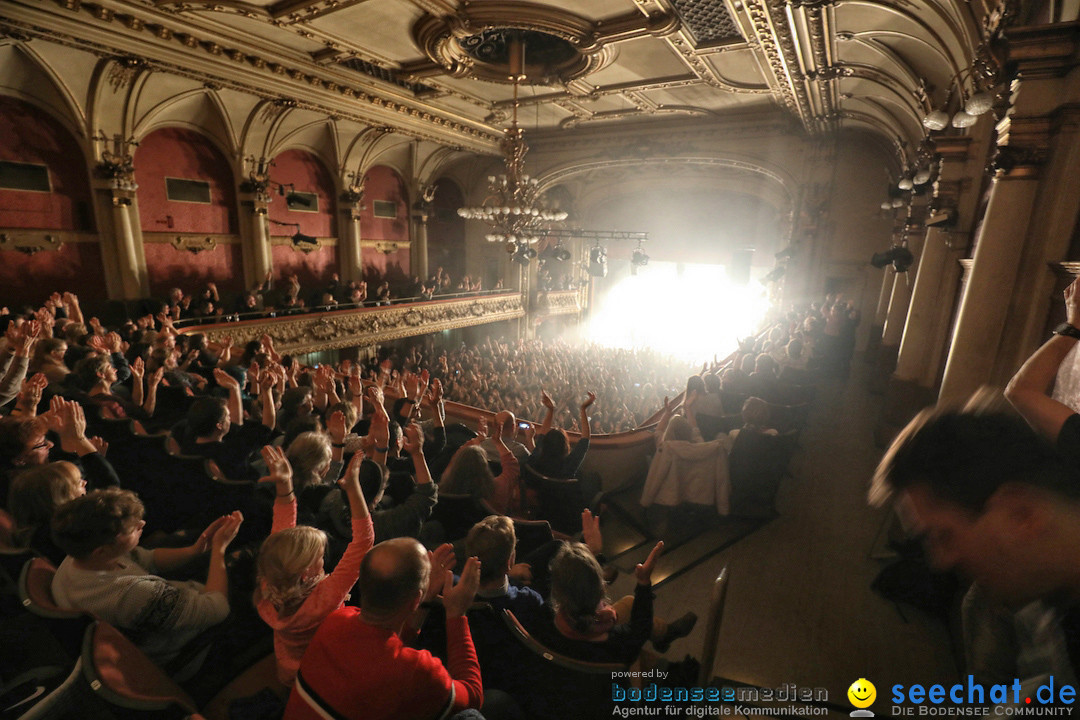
(436, 68)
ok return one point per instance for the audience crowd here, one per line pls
(350, 501)
(286, 296)
(352, 460)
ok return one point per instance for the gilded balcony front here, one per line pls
(334, 329)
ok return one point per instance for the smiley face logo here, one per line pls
(862, 693)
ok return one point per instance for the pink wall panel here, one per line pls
(382, 183)
(30, 135)
(180, 153)
(75, 267)
(313, 269)
(307, 174)
(393, 267)
(169, 267)
(446, 230)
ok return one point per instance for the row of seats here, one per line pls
(96, 672)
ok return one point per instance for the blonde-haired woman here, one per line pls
(293, 594)
(34, 496)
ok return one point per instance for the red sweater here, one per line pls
(366, 672)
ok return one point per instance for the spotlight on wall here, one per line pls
(297, 199)
(562, 254)
(300, 238)
(639, 258)
(898, 255)
(523, 255)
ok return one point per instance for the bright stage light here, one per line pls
(691, 315)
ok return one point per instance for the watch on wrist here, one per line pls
(1067, 330)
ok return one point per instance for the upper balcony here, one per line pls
(317, 330)
(557, 302)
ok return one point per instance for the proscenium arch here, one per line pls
(777, 178)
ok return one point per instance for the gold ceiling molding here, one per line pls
(336, 329)
(706, 74)
(409, 114)
(775, 41)
(445, 40)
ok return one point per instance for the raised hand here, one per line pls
(458, 598)
(411, 384)
(226, 380)
(589, 400)
(30, 395)
(590, 531)
(335, 425)
(545, 400)
(442, 560)
(643, 571)
(138, 368)
(100, 445)
(226, 532)
(413, 442)
(202, 543)
(1072, 303)
(350, 484)
(281, 473)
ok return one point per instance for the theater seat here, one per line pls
(122, 676)
(568, 688)
(717, 600)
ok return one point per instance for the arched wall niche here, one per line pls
(385, 193)
(181, 154)
(198, 109)
(27, 75)
(446, 230)
(29, 135)
(305, 172)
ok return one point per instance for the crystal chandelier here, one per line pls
(514, 209)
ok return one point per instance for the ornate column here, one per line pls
(350, 257)
(418, 256)
(1047, 121)
(254, 225)
(914, 232)
(124, 259)
(938, 273)
(1033, 207)
(883, 300)
(989, 288)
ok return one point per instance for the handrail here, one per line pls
(361, 326)
(290, 312)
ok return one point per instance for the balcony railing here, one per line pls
(361, 326)
(557, 302)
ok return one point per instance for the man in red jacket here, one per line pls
(358, 666)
